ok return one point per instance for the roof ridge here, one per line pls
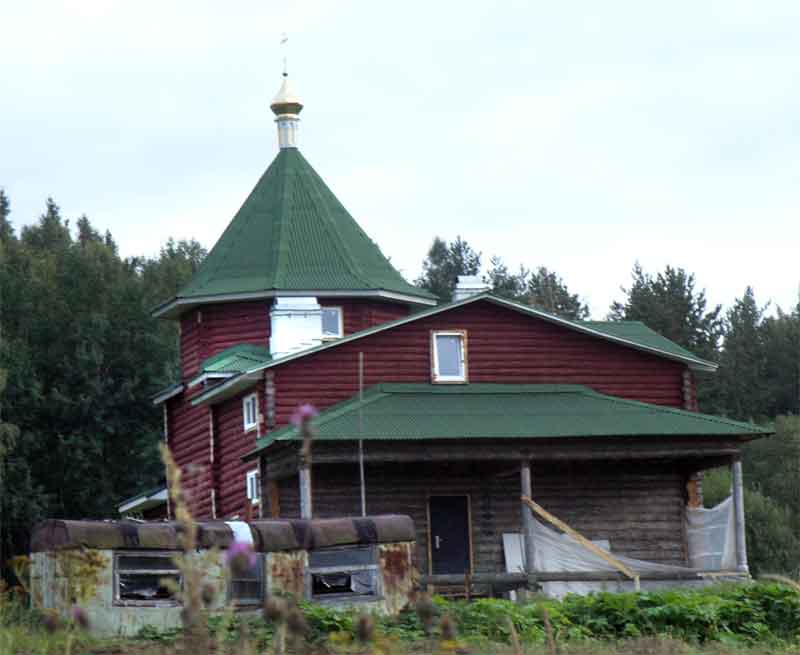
(279, 231)
(318, 188)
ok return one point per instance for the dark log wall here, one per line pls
(503, 346)
(231, 443)
(230, 324)
(638, 508)
(188, 437)
(359, 314)
(211, 329)
(190, 344)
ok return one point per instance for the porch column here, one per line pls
(305, 492)
(738, 516)
(527, 518)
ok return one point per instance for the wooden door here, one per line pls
(449, 534)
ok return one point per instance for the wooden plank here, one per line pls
(610, 559)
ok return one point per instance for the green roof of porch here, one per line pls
(505, 411)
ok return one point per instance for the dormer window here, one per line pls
(449, 356)
(332, 323)
(250, 411)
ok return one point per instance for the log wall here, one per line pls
(503, 346)
(638, 508)
(189, 439)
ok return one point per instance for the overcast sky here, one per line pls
(581, 136)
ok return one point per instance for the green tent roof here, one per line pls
(505, 411)
(293, 235)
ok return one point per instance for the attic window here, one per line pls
(248, 588)
(449, 356)
(332, 327)
(253, 486)
(250, 411)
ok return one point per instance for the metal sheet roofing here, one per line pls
(236, 359)
(504, 411)
(293, 234)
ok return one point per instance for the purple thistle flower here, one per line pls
(241, 558)
(80, 617)
(303, 414)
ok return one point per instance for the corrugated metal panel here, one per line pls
(502, 411)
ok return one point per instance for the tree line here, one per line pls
(81, 357)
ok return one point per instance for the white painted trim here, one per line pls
(144, 502)
(204, 377)
(435, 375)
(166, 309)
(253, 473)
(254, 424)
(328, 337)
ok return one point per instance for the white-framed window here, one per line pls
(248, 588)
(254, 486)
(250, 411)
(139, 578)
(332, 323)
(348, 573)
(449, 355)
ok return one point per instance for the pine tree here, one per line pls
(6, 229)
(741, 375)
(444, 263)
(548, 291)
(669, 304)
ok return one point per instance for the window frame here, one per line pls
(254, 424)
(436, 378)
(253, 474)
(330, 337)
(118, 571)
(262, 585)
(373, 566)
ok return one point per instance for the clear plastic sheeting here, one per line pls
(711, 534)
(711, 541)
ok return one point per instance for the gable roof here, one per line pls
(292, 236)
(503, 411)
(632, 334)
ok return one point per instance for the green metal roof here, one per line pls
(504, 411)
(638, 332)
(293, 235)
(236, 359)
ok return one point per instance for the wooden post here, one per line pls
(527, 521)
(305, 493)
(738, 516)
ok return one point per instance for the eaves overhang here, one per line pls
(166, 394)
(174, 307)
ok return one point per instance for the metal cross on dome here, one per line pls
(285, 46)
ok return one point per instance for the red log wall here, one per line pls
(502, 346)
(209, 330)
(188, 437)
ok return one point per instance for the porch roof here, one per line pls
(499, 411)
